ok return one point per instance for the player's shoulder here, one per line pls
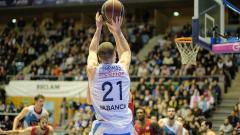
(27, 108)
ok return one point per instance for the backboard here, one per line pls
(208, 21)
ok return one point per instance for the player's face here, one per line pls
(40, 102)
(43, 124)
(140, 114)
(171, 113)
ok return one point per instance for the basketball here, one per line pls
(111, 9)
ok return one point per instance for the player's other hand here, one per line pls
(99, 21)
(115, 26)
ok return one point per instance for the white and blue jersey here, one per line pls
(32, 118)
(110, 90)
(170, 129)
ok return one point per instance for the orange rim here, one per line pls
(183, 40)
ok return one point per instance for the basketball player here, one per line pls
(31, 114)
(109, 82)
(206, 128)
(42, 129)
(169, 124)
(142, 124)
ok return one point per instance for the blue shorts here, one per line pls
(103, 128)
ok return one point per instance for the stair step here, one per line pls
(226, 107)
(218, 118)
(220, 115)
(229, 100)
(223, 111)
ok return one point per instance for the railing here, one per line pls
(220, 78)
(8, 114)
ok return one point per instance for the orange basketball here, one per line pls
(111, 9)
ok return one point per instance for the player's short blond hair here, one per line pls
(105, 51)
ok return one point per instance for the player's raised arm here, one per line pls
(92, 61)
(19, 117)
(123, 48)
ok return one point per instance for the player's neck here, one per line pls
(37, 109)
(171, 121)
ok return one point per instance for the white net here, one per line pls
(187, 50)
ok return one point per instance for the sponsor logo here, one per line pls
(236, 47)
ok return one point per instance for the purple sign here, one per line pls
(226, 48)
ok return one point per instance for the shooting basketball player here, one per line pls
(42, 129)
(109, 82)
(31, 114)
(170, 125)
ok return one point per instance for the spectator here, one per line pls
(226, 127)
(217, 92)
(195, 98)
(11, 108)
(181, 120)
(206, 128)
(63, 112)
(196, 111)
(6, 124)
(2, 107)
(142, 70)
(233, 119)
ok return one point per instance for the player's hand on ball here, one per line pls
(115, 26)
(99, 21)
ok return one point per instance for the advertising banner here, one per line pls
(226, 48)
(47, 88)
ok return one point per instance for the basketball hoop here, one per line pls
(187, 50)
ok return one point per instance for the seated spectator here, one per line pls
(233, 119)
(195, 98)
(226, 127)
(6, 124)
(2, 107)
(196, 111)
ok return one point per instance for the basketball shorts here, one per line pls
(103, 128)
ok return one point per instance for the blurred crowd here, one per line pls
(22, 42)
(70, 60)
(6, 121)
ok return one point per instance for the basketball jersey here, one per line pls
(32, 118)
(170, 130)
(110, 94)
(34, 129)
(146, 130)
